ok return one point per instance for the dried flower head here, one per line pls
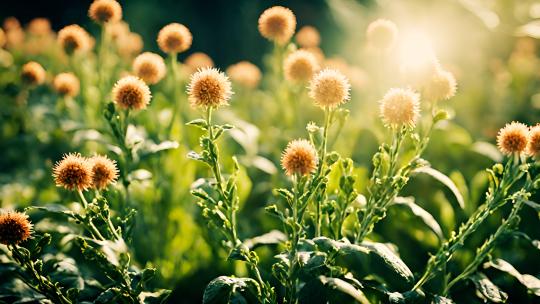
(382, 34)
(245, 74)
(40, 27)
(102, 11)
(209, 88)
(308, 37)
(11, 23)
(533, 148)
(299, 158)
(131, 92)
(129, 44)
(329, 88)
(513, 138)
(277, 24)
(441, 86)
(66, 84)
(174, 38)
(400, 107)
(116, 30)
(33, 73)
(104, 171)
(73, 172)
(74, 38)
(300, 66)
(198, 60)
(149, 67)
(15, 228)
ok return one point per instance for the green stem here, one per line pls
(291, 290)
(176, 91)
(90, 225)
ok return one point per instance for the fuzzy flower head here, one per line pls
(513, 138)
(174, 38)
(382, 34)
(198, 60)
(329, 88)
(209, 88)
(299, 158)
(40, 27)
(277, 24)
(129, 44)
(441, 86)
(245, 74)
(33, 73)
(131, 92)
(15, 228)
(66, 84)
(533, 148)
(103, 11)
(104, 171)
(73, 172)
(149, 67)
(300, 66)
(74, 38)
(308, 37)
(400, 107)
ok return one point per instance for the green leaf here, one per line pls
(425, 216)
(486, 290)
(201, 123)
(392, 260)
(441, 300)
(532, 283)
(222, 288)
(445, 180)
(156, 297)
(344, 287)
(270, 238)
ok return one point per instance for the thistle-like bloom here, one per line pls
(149, 67)
(400, 107)
(300, 66)
(533, 148)
(198, 60)
(73, 172)
(441, 86)
(277, 24)
(382, 34)
(299, 158)
(66, 84)
(513, 138)
(118, 29)
(174, 38)
(308, 37)
(129, 44)
(33, 73)
(329, 89)
(11, 23)
(74, 38)
(15, 228)
(40, 27)
(104, 171)
(131, 92)
(103, 11)
(209, 88)
(245, 74)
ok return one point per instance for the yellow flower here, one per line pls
(513, 138)
(209, 88)
(329, 88)
(131, 92)
(400, 107)
(299, 158)
(277, 24)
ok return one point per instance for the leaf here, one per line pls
(535, 206)
(344, 287)
(162, 146)
(488, 150)
(425, 216)
(221, 289)
(486, 290)
(201, 123)
(531, 282)
(392, 260)
(140, 174)
(264, 164)
(441, 300)
(441, 177)
(531, 29)
(270, 238)
(156, 297)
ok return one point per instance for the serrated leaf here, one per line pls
(445, 180)
(486, 290)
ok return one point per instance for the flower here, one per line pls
(441, 86)
(73, 172)
(11, 23)
(382, 34)
(329, 88)
(300, 66)
(533, 148)
(513, 138)
(245, 74)
(299, 158)
(129, 44)
(198, 60)
(2, 38)
(149, 67)
(308, 37)
(15, 228)
(131, 92)
(40, 27)
(277, 24)
(74, 38)
(174, 38)
(33, 73)
(209, 88)
(400, 107)
(103, 11)
(104, 171)
(66, 84)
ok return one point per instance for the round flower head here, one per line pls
(329, 88)
(2, 38)
(174, 38)
(131, 92)
(33, 73)
(149, 67)
(245, 74)
(299, 158)
(66, 84)
(73, 172)
(198, 60)
(277, 24)
(115, 30)
(513, 138)
(129, 44)
(104, 171)
(533, 148)
(15, 228)
(209, 88)
(102, 11)
(400, 107)
(317, 52)
(441, 86)
(40, 27)
(382, 34)
(11, 23)
(74, 38)
(300, 66)
(308, 37)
